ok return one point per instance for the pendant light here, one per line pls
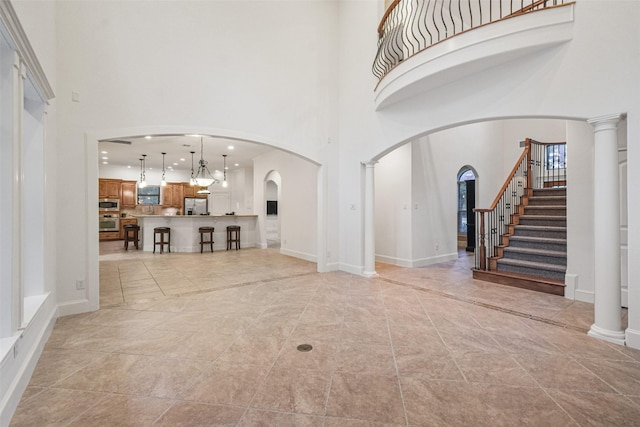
(143, 178)
(224, 170)
(203, 177)
(163, 183)
(192, 181)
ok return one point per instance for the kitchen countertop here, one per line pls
(196, 216)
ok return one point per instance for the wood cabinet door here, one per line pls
(128, 192)
(167, 195)
(189, 190)
(177, 195)
(113, 189)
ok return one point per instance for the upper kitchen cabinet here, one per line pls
(172, 195)
(109, 188)
(128, 192)
(192, 191)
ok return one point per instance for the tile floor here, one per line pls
(211, 339)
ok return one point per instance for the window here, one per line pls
(149, 195)
(556, 156)
(463, 177)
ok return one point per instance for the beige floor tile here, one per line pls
(294, 390)
(601, 409)
(493, 368)
(226, 383)
(431, 361)
(561, 372)
(54, 407)
(623, 376)
(250, 350)
(189, 414)
(260, 418)
(118, 410)
(322, 356)
(373, 398)
(55, 365)
(440, 403)
(365, 359)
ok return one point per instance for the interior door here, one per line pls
(471, 216)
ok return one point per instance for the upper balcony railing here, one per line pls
(411, 26)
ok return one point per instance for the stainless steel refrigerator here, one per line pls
(193, 206)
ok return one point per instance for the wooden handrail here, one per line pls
(508, 180)
(527, 8)
(386, 15)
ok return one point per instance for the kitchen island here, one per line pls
(184, 230)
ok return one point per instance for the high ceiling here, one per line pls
(129, 151)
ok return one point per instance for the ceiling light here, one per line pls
(192, 181)
(147, 137)
(237, 164)
(230, 147)
(203, 190)
(105, 163)
(143, 180)
(164, 181)
(105, 158)
(224, 168)
(103, 152)
(203, 177)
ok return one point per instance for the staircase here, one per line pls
(535, 244)
(524, 234)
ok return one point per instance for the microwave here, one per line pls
(109, 205)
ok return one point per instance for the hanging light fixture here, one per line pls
(192, 181)
(203, 177)
(224, 170)
(143, 178)
(163, 182)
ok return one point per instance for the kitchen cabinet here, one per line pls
(172, 195)
(128, 193)
(109, 188)
(126, 221)
(109, 235)
(192, 191)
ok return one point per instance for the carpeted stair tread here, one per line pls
(545, 217)
(532, 264)
(541, 227)
(531, 251)
(550, 240)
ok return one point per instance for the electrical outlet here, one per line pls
(79, 284)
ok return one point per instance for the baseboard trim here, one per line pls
(301, 255)
(350, 268)
(624, 298)
(416, 263)
(75, 307)
(632, 338)
(584, 296)
(25, 370)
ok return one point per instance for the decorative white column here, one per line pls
(369, 223)
(606, 223)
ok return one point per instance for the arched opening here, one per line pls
(466, 200)
(273, 185)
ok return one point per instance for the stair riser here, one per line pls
(561, 247)
(544, 201)
(531, 271)
(547, 259)
(551, 234)
(543, 222)
(547, 210)
(549, 192)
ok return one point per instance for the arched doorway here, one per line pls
(272, 219)
(466, 221)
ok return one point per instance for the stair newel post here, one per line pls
(529, 183)
(483, 248)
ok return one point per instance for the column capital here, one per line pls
(607, 122)
(369, 163)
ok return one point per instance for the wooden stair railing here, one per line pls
(541, 165)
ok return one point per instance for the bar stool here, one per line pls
(203, 232)
(161, 231)
(131, 235)
(233, 235)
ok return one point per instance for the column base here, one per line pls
(369, 274)
(616, 337)
(633, 338)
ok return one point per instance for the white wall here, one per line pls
(260, 70)
(297, 202)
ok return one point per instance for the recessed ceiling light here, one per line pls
(147, 137)
(237, 164)
(226, 168)
(182, 160)
(194, 134)
(175, 164)
(129, 166)
(231, 147)
(103, 152)
(105, 158)
(105, 163)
